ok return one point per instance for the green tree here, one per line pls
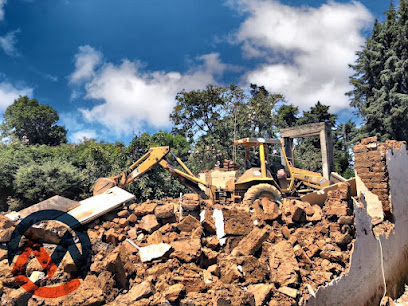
(308, 152)
(286, 116)
(35, 182)
(380, 81)
(345, 136)
(29, 121)
(213, 117)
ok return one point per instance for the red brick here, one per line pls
(368, 140)
(358, 148)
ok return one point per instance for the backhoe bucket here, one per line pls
(102, 184)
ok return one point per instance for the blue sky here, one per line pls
(111, 68)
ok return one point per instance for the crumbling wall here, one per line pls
(364, 283)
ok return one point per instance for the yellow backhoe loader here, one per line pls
(268, 174)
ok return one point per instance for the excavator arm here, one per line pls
(145, 163)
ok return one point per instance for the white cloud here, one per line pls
(81, 135)
(2, 4)
(86, 60)
(132, 99)
(305, 50)
(8, 42)
(8, 93)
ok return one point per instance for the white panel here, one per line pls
(96, 206)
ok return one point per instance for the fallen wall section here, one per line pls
(364, 283)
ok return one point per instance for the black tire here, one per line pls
(260, 191)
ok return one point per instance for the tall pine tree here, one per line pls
(380, 91)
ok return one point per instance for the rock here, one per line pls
(317, 214)
(230, 273)
(288, 291)
(254, 270)
(298, 212)
(190, 205)
(173, 293)
(208, 257)
(188, 224)
(186, 249)
(148, 223)
(153, 251)
(13, 297)
(123, 222)
(301, 254)
(285, 232)
(138, 291)
(144, 209)
(212, 242)
(346, 220)
(340, 238)
(132, 233)
(232, 295)
(266, 209)
(237, 222)
(332, 253)
(155, 238)
(251, 243)
(5, 222)
(107, 285)
(5, 234)
(387, 301)
(3, 253)
(283, 264)
(111, 236)
(164, 211)
(209, 226)
(123, 213)
(115, 266)
(214, 269)
(132, 218)
(261, 292)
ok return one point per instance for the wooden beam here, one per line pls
(306, 130)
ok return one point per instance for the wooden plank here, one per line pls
(56, 202)
(305, 130)
(96, 206)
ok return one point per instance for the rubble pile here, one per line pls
(154, 253)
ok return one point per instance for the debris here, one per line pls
(225, 257)
(288, 291)
(261, 292)
(149, 223)
(251, 243)
(164, 211)
(219, 225)
(173, 293)
(152, 251)
(138, 291)
(188, 224)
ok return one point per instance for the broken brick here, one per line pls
(148, 223)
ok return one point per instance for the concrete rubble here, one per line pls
(194, 253)
(144, 255)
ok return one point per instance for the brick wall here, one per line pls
(370, 166)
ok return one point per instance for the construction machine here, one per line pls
(268, 173)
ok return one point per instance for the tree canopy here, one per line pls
(29, 121)
(380, 81)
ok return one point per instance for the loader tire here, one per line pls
(262, 191)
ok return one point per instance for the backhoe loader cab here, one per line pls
(264, 163)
